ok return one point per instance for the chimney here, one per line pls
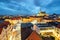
(34, 27)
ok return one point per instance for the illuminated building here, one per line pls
(42, 14)
(47, 31)
(12, 32)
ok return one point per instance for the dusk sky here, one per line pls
(28, 7)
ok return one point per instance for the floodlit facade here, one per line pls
(13, 32)
(42, 14)
(50, 31)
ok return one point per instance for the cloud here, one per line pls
(3, 6)
(43, 2)
(22, 7)
(29, 7)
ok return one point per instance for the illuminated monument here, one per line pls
(42, 13)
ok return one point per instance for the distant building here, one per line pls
(53, 16)
(14, 20)
(55, 23)
(42, 14)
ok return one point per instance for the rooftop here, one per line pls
(34, 36)
(25, 32)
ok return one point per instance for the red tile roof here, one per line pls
(58, 26)
(1, 30)
(6, 22)
(4, 25)
(34, 36)
(16, 18)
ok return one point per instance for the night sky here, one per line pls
(28, 7)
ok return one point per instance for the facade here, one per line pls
(12, 32)
(42, 14)
(50, 31)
